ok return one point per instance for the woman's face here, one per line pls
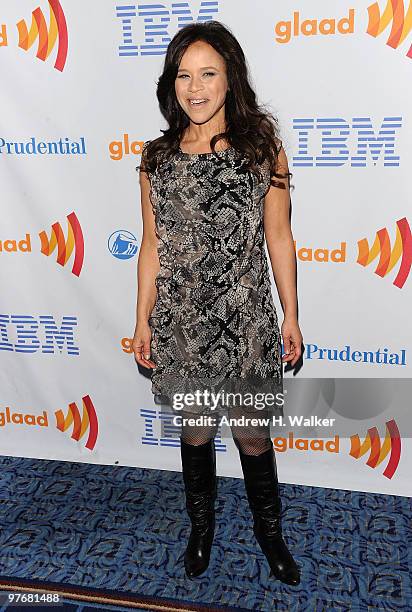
(201, 77)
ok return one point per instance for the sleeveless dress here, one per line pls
(214, 324)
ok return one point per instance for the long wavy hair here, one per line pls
(250, 129)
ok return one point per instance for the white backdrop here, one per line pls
(342, 100)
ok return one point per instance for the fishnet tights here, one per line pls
(252, 440)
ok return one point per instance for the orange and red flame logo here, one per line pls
(377, 451)
(389, 256)
(46, 35)
(401, 22)
(81, 424)
(65, 247)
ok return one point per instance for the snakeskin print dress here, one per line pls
(214, 321)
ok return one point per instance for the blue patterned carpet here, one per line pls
(125, 529)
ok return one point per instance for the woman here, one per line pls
(212, 188)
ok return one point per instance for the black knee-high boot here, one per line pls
(262, 488)
(199, 476)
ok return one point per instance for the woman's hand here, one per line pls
(292, 340)
(141, 345)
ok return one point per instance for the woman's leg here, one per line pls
(250, 439)
(196, 434)
(199, 476)
(258, 461)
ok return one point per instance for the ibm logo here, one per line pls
(156, 21)
(336, 142)
(160, 429)
(27, 334)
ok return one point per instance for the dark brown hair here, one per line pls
(249, 128)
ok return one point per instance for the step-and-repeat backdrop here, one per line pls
(77, 101)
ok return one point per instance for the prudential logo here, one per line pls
(33, 146)
(122, 244)
(47, 35)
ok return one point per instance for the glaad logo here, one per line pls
(311, 27)
(378, 451)
(156, 19)
(119, 148)
(389, 256)
(13, 245)
(335, 134)
(8, 417)
(46, 35)
(401, 23)
(122, 244)
(79, 425)
(394, 12)
(27, 334)
(65, 247)
(372, 444)
(321, 254)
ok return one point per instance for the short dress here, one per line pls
(214, 324)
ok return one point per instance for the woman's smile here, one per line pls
(196, 103)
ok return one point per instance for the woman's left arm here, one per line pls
(282, 255)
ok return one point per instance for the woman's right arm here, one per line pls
(148, 266)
